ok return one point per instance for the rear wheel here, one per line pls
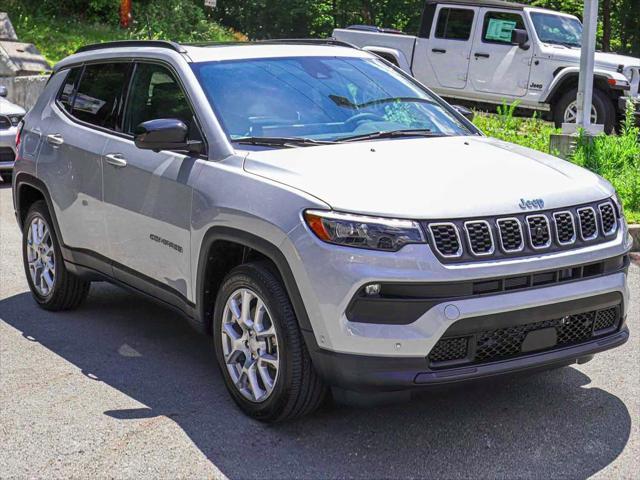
(51, 284)
(602, 110)
(259, 347)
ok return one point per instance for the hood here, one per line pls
(607, 61)
(8, 108)
(429, 178)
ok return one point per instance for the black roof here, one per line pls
(483, 3)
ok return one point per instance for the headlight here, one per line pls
(364, 232)
(618, 203)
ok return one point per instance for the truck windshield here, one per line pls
(324, 99)
(557, 29)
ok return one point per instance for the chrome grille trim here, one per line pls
(573, 226)
(500, 229)
(595, 224)
(483, 222)
(457, 233)
(546, 220)
(614, 228)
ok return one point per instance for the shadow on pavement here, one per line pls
(547, 425)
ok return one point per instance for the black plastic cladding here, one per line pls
(564, 229)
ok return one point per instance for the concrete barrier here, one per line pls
(634, 230)
(25, 90)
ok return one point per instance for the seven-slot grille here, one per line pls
(523, 234)
(507, 342)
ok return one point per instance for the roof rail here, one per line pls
(310, 41)
(133, 43)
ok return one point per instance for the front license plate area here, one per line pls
(540, 340)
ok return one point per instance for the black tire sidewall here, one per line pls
(601, 102)
(39, 209)
(252, 277)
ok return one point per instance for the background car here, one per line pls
(10, 115)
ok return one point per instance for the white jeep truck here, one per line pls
(492, 51)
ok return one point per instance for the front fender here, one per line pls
(570, 74)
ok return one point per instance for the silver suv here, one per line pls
(328, 220)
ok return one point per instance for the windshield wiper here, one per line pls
(416, 132)
(281, 141)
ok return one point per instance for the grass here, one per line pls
(57, 38)
(615, 157)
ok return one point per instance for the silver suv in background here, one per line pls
(329, 221)
(10, 116)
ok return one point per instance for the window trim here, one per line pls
(474, 11)
(485, 26)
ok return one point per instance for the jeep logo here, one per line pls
(531, 204)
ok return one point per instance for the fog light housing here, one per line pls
(372, 289)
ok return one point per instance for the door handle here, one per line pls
(482, 55)
(55, 139)
(438, 50)
(116, 159)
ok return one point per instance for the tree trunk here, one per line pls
(125, 13)
(606, 25)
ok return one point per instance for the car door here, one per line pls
(450, 45)
(81, 120)
(498, 67)
(147, 196)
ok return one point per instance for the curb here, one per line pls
(634, 231)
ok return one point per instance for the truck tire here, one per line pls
(259, 347)
(602, 112)
(53, 287)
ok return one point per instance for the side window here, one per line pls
(156, 94)
(99, 94)
(454, 23)
(498, 26)
(65, 97)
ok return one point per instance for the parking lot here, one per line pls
(125, 389)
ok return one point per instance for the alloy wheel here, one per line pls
(41, 256)
(571, 113)
(250, 345)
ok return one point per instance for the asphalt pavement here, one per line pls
(122, 388)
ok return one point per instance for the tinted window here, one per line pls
(498, 26)
(454, 24)
(68, 88)
(99, 92)
(156, 94)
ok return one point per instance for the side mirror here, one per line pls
(521, 38)
(465, 112)
(165, 134)
(3, 91)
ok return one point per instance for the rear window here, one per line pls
(99, 94)
(454, 23)
(65, 98)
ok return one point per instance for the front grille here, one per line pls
(565, 228)
(524, 234)
(588, 225)
(480, 237)
(6, 154)
(507, 342)
(538, 227)
(446, 239)
(607, 218)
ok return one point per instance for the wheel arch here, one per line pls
(28, 190)
(567, 78)
(240, 247)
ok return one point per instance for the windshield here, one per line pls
(557, 29)
(319, 98)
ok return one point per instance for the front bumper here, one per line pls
(7, 148)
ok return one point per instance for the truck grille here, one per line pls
(501, 343)
(521, 235)
(6, 154)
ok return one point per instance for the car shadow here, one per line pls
(546, 425)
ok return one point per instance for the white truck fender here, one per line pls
(573, 71)
(387, 53)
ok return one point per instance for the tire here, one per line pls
(66, 291)
(6, 177)
(296, 389)
(604, 108)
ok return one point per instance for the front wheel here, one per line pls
(259, 347)
(602, 110)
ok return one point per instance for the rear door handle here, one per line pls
(482, 55)
(55, 139)
(116, 159)
(438, 50)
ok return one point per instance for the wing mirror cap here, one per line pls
(465, 112)
(520, 37)
(165, 134)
